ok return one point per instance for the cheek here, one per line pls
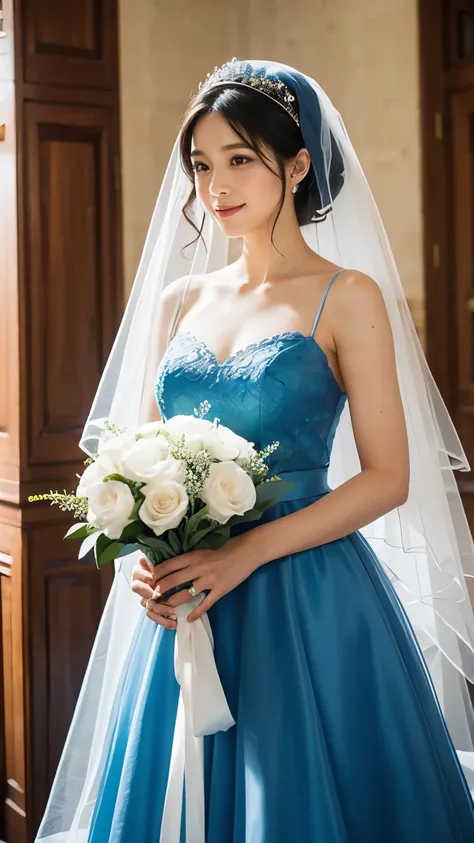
(202, 191)
(264, 184)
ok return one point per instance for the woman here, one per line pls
(327, 726)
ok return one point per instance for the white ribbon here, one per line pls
(202, 710)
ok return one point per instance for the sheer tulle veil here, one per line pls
(425, 545)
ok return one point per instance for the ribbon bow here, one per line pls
(202, 710)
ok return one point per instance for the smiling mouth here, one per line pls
(227, 212)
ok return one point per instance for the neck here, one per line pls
(264, 261)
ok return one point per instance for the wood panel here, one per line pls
(70, 44)
(9, 334)
(60, 304)
(437, 257)
(462, 117)
(66, 598)
(13, 679)
(72, 298)
(446, 30)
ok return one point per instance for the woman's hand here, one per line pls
(143, 583)
(214, 571)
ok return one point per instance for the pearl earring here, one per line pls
(294, 189)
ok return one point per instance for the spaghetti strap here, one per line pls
(318, 314)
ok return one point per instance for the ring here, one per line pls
(146, 604)
(192, 591)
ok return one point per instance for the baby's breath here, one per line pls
(66, 502)
(202, 410)
(256, 464)
(196, 467)
(112, 427)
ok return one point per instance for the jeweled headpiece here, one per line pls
(243, 73)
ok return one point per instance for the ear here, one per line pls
(300, 166)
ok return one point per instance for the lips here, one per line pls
(228, 212)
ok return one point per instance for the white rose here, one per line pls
(228, 491)
(165, 505)
(150, 429)
(219, 441)
(196, 431)
(234, 445)
(95, 473)
(110, 507)
(114, 447)
(149, 458)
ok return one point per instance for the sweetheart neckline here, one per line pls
(264, 341)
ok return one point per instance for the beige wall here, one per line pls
(363, 53)
(165, 50)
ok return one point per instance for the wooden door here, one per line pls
(462, 167)
(60, 304)
(447, 86)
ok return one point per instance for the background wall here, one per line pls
(364, 55)
(166, 49)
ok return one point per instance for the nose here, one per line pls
(217, 186)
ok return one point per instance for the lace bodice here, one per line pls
(280, 388)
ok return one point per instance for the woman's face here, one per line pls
(229, 174)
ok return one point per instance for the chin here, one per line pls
(234, 228)
(231, 227)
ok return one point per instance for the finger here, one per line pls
(203, 607)
(200, 584)
(187, 575)
(163, 615)
(143, 590)
(140, 574)
(145, 563)
(177, 563)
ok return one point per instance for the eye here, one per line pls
(242, 159)
(196, 165)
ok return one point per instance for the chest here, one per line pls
(280, 387)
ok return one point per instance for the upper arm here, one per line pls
(366, 357)
(169, 304)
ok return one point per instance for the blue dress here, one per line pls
(339, 737)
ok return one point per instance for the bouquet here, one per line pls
(168, 487)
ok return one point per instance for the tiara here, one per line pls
(243, 73)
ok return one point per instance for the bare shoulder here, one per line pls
(354, 289)
(357, 302)
(186, 287)
(174, 291)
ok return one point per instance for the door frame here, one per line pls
(438, 226)
(437, 249)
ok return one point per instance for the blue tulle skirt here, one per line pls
(339, 737)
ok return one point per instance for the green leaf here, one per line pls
(199, 535)
(216, 538)
(101, 544)
(131, 531)
(136, 509)
(118, 477)
(155, 543)
(80, 531)
(269, 493)
(251, 515)
(88, 543)
(174, 542)
(110, 552)
(131, 548)
(193, 522)
(167, 554)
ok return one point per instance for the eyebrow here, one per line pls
(224, 148)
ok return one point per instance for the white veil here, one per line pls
(425, 545)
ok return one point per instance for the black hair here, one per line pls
(259, 121)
